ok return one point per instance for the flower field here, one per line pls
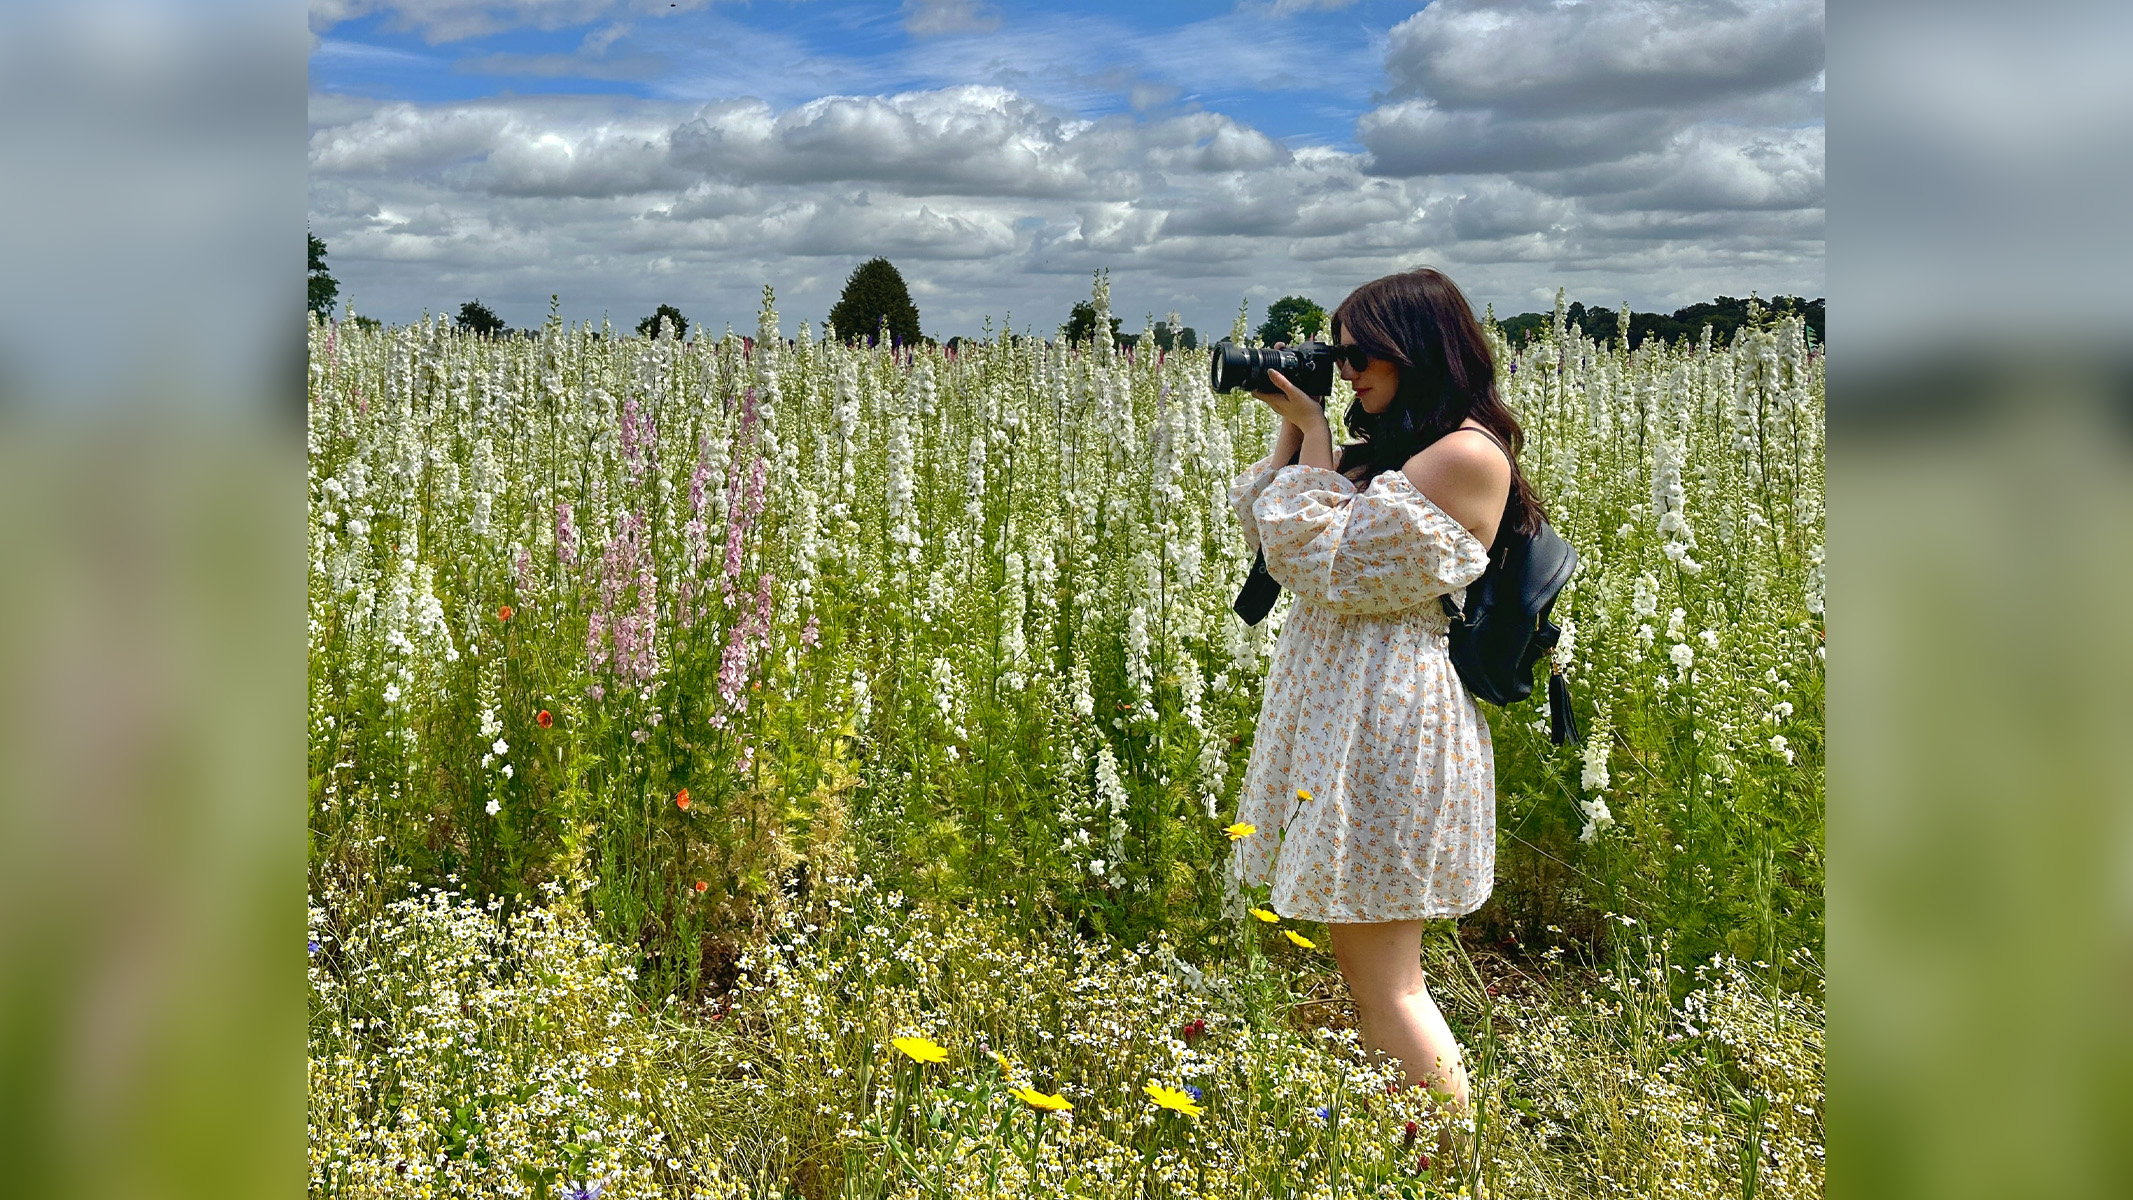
(690, 721)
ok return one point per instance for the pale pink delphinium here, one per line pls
(638, 435)
(566, 536)
(628, 622)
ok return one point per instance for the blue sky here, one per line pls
(625, 153)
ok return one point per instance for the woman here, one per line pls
(1372, 779)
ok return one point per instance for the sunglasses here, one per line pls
(1355, 358)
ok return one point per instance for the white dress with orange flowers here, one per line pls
(1363, 710)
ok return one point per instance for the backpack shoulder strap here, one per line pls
(1485, 431)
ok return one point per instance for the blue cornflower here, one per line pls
(1193, 1092)
(1323, 1113)
(590, 1191)
(314, 945)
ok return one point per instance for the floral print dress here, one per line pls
(1364, 713)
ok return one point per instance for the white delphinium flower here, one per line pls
(1682, 655)
(1779, 746)
(974, 481)
(847, 424)
(1084, 703)
(862, 698)
(487, 484)
(1677, 625)
(1191, 685)
(1644, 603)
(1564, 656)
(1212, 770)
(1816, 580)
(1596, 777)
(944, 686)
(431, 629)
(1138, 669)
(1013, 651)
(494, 806)
(1111, 799)
(1597, 817)
(902, 512)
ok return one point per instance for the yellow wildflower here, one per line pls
(1300, 939)
(921, 1050)
(1172, 1099)
(1038, 1100)
(1264, 915)
(1303, 794)
(1007, 1065)
(1240, 831)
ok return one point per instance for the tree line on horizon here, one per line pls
(876, 305)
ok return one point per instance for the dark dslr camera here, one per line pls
(1308, 365)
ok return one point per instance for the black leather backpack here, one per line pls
(1504, 631)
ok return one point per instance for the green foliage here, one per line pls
(1291, 319)
(1726, 316)
(1080, 328)
(1173, 337)
(319, 282)
(875, 294)
(649, 327)
(475, 317)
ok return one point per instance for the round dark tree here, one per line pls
(1291, 319)
(1081, 326)
(475, 317)
(649, 327)
(875, 293)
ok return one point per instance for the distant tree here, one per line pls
(319, 282)
(1081, 325)
(649, 327)
(1291, 319)
(875, 293)
(363, 322)
(475, 317)
(1188, 338)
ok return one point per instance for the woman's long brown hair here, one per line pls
(1420, 321)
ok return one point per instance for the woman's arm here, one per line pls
(1305, 430)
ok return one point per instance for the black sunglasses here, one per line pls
(1355, 357)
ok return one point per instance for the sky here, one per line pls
(621, 154)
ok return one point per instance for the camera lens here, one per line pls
(1230, 366)
(1308, 365)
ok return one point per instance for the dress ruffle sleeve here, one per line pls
(1381, 550)
(1245, 490)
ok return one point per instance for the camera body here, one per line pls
(1308, 365)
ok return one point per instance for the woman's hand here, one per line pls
(1295, 407)
(1306, 416)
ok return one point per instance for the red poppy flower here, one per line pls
(681, 800)
(504, 613)
(1192, 1031)
(701, 885)
(543, 720)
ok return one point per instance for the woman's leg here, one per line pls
(1382, 963)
